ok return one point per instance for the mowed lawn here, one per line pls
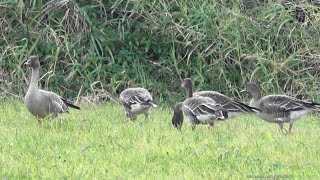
(100, 143)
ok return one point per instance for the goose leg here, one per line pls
(130, 116)
(281, 127)
(146, 115)
(127, 114)
(193, 123)
(53, 117)
(290, 127)
(133, 117)
(211, 125)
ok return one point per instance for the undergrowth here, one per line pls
(111, 45)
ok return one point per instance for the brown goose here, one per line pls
(199, 110)
(279, 108)
(136, 101)
(41, 103)
(233, 108)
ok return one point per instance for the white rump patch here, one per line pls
(138, 108)
(205, 119)
(234, 114)
(294, 115)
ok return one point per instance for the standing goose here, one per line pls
(199, 110)
(42, 103)
(279, 108)
(136, 101)
(233, 108)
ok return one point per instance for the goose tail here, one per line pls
(248, 108)
(69, 104)
(152, 103)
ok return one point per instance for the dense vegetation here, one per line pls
(86, 45)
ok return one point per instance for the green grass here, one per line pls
(99, 142)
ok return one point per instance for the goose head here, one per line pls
(33, 62)
(253, 89)
(177, 118)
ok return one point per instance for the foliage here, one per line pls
(220, 44)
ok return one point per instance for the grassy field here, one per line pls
(99, 142)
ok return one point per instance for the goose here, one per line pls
(233, 108)
(41, 103)
(136, 101)
(279, 108)
(199, 110)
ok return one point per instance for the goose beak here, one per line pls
(28, 63)
(243, 91)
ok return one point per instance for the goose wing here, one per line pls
(197, 106)
(133, 96)
(54, 102)
(217, 97)
(284, 103)
(226, 102)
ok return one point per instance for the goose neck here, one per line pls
(34, 79)
(189, 92)
(256, 95)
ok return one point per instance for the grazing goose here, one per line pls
(136, 101)
(42, 103)
(199, 110)
(279, 108)
(233, 108)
